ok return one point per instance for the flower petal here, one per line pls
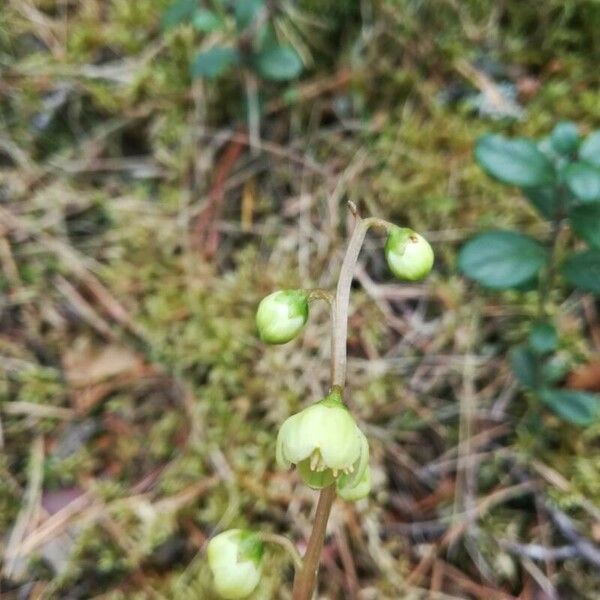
(315, 479)
(296, 445)
(359, 490)
(341, 447)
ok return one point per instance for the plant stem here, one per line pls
(342, 298)
(547, 279)
(253, 111)
(304, 582)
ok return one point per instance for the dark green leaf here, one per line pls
(524, 366)
(545, 199)
(214, 62)
(579, 408)
(177, 13)
(565, 137)
(246, 11)
(517, 162)
(501, 259)
(278, 63)
(206, 20)
(585, 222)
(582, 270)
(543, 338)
(583, 180)
(590, 149)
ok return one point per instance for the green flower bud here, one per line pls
(408, 254)
(281, 316)
(234, 558)
(352, 490)
(325, 442)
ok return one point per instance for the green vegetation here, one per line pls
(561, 178)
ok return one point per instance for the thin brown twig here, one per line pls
(345, 553)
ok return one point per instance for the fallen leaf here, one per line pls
(87, 366)
(586, 377)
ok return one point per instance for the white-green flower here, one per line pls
(234, 557)
(325, 442)
(352, 490)
(408, 254)
(281, 316)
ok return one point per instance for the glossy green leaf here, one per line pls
(585, 222)
(516, 162)
(590, 149)
(582, 270)
(177, 13)
(545, 199)
(524, 366)
(206, 20)
(278, 63)
(583, 180)
(501, 259)
(246, 11)
(574, 406)
(214, 62)
(565, 137)
(543, 337)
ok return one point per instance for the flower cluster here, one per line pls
(323, 441)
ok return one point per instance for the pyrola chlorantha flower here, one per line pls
(325, 442)
(281, 316)
(234, 557)
(408, 254)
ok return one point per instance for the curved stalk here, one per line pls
(275, 538)
(342, 298)
(304, 582)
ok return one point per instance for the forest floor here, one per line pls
(140, 224)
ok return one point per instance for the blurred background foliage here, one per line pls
(143, 214)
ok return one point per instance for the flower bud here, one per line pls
(352, 490)
(281, 315)
(234, 558)
(409, 255)
(325, 442)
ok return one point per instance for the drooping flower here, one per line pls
(281, 316)
(408, 254)
(325, 443)
(234, 558)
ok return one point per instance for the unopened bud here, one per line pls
(281, 316)
(234, 557)
(408, 254)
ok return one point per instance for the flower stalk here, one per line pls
(323, 441)
(304, 582)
